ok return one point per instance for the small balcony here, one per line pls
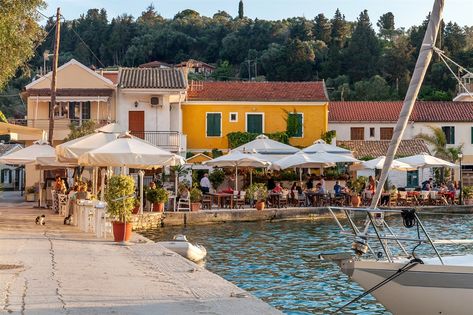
(173, 141)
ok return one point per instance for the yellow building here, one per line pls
(214, 109)
(82, 94)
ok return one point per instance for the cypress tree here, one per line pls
(240, 9)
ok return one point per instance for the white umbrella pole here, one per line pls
(236, 178)
(102, 186)
(141, 175)
(300, 176)
(40, 188)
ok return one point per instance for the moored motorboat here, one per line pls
(183, 247)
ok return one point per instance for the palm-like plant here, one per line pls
(438, 141)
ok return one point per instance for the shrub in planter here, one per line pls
(216, 178)
(120, 203)
(467, 192)
(258, 193)
(357, 185)
(195, 198)
(157, 197)
(30, 193)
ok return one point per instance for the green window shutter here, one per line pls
(213, 125)
(254, 123)
(298, 127)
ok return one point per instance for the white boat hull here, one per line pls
(190, 251)
(424, 289)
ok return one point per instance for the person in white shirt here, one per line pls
(205, 184)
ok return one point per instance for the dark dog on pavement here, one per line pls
(68, 220)
(40, 219)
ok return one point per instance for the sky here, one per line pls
(406, 12)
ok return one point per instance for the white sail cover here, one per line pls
(316, 160)
(30, 154)
(426, 160)
(238, 159)
(321, 146)
(262, 144)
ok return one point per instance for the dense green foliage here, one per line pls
(217, 177)
(86, 128)
(357, 62)
(157, 195)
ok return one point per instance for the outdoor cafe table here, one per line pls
(275, 199)
(221, 197)
(314, 197)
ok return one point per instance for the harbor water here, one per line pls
(278, 261)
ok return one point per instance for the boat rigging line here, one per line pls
(412, 263)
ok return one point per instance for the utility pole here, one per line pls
(249, 70)
(256, 68)
(53, 79)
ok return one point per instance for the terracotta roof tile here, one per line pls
(389, 111)
(257, 91)
(151, 78)
(375, 148)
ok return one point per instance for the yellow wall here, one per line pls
(194, 115)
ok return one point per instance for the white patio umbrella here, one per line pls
(315, 160)
(321, 146)
(30, 156)
(238, 159)
(131, 152)
(262, 144)
(426, 160)
(378, 164)
(71, 150)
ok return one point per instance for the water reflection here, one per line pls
(278, 261)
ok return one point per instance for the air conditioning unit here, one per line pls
(155, 101)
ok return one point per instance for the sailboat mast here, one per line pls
(425, 55)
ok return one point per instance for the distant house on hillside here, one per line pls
(196, 66)
(155, 64)
(465, 91)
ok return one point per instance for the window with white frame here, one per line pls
(255, 123)
(233, 117)
(213, 124)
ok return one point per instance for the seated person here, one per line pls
(82, 193)
(337, 188)
(278, 189)
(319, 189)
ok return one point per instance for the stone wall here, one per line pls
(147, 220)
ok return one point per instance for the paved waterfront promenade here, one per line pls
(63, 271)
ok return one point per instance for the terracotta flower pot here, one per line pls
(120, 232)
(158, 207)
(136, 209)
(260, 205)
(195, 206)
(355, 201)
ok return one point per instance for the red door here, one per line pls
(136, 123)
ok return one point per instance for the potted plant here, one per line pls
(120, 203)
(467, 192)
(30, 193)
(157, 197)
(136, 208)
(195, 198)
(259, 193)
(356, 186)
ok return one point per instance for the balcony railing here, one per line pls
(468, 86)
(59, 123)
(169, 140)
